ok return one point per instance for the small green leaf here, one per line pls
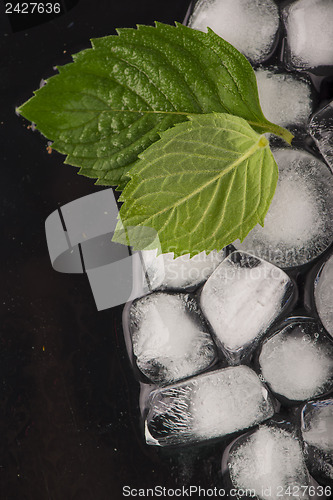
(207, 182)
(115, 99)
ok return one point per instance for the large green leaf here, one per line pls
(207, 182)
(115, 99)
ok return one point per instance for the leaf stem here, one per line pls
(274, 129)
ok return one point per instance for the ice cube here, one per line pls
(317, 432)
(297, 361)
(170, 338)
(165, 272)
(317, 424)
(241, 299)
(321, 130)
(298, 225)
(250, 25)
(309, 27)
(324, 295)
(270, 463)
(208, 406)
(285, 99)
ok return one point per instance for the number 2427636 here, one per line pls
(32, 8)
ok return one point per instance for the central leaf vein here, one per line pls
(223, 173)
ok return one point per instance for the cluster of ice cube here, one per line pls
(190, 348)
(253, 27)
(221, 341)
(249, 25)
(171, 338)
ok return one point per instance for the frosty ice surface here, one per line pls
(284, 98)
(269, 461)
(297, 361)
(309, 26)
(250, 25)
(169, 337)
(298, 225)
(324, 295)
(164, 271)
(241, 299)
(208, 406)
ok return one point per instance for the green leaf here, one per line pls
(114, 100)
(207, 182)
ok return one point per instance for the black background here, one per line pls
(70, 425)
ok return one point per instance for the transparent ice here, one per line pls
(297, 362)
(269, 461)
(317, 432)
(298, 225)
(241, 299)
(284, 99)
(317, 424)
(324, 295)
(250, 25)
(309, 26)
(208, 406)
(164, 271)
(321, 129)
(169, 337)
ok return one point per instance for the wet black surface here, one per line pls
(69, 403)
(69, 413)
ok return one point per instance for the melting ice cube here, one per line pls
(241, 299)
(208, 406)
(321, 129)
(250, 25)
(324, 295)
(169, 337)
(317, 424)
(298, 225)
(268, 462)
(297, 361)
(284, 98)
(317, 432)
(309, 26)
(163, 271)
